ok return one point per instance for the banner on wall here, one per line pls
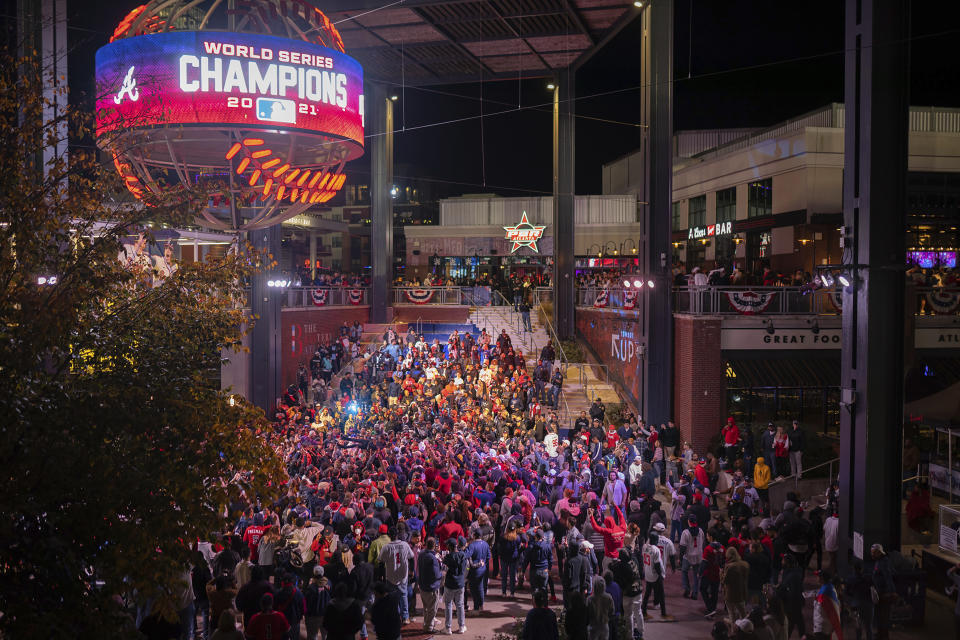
(320, 296)
(356, 296)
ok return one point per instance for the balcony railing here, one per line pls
(310, 297)
(756, 300)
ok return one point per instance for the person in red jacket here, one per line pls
(700, 473)
(731, 438)
(710, 580)
(613, 531)
(449, 529)
(612, 437)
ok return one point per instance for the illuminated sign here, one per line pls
(711, 230)
(524, 234)
(210, 78)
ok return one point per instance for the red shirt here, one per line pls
(612, 439)
(713, 560)
(447, 530)
(252, 537)
(731, 434)
(267, 626)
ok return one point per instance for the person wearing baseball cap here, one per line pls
(692, 541)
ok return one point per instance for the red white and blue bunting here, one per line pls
(603, 299)
(355, 296)
(943, 302)
(750, 302)
(419, 296)
(629, 299)
(320, 296)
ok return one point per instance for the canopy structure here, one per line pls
(424, 42)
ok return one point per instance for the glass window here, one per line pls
(336, 240)
(760, 198)
(727, 204)
(675, 217)
(698, 212)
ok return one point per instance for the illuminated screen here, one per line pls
(931, 259)
(212, 78)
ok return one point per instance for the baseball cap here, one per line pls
(383, 528)
(659, 527)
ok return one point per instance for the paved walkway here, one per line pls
(501, 614)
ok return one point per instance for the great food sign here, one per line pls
(210, 78)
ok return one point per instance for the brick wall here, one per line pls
(699, 385)
(302, 329)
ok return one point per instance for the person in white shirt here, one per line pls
(691, 553)
(831, 539)
(653, 572)
(668, 551)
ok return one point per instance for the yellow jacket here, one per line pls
(761, 474)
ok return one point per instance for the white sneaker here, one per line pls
(462, 630)
(448, 631)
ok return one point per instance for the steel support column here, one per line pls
(564, 186)
(656, 53)
(380, 127)
(265, 352)
(876, 92)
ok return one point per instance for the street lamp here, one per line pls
(599, 250)
(626, 243)
(610, 247)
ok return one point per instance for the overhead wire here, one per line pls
(709, 74)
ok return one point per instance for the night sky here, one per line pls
(737, 64)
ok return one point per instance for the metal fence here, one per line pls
(326, 296)
(756, 300)
(428, 295)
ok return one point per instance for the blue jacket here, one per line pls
(429, 576)
(456, 564)
(478, 552)
(539, 555)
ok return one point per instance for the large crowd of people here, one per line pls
(437, 475)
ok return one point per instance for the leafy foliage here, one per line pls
(116, 447)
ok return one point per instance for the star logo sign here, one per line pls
(524, 234)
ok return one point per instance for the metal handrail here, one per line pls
(830, 476)
(558, 348)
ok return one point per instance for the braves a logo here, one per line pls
(128, 88)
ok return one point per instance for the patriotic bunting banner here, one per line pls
(602, 300)
(629, 299)
(943, 302)
(320, 296)
(750, 302)
(419, 296)
(356, 296)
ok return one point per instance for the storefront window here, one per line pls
(760, 198)
(698, 212)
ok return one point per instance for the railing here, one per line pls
(756, 300)
(428, 295)
(326, 296)
(558, 348)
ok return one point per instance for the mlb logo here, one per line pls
(273, 110)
